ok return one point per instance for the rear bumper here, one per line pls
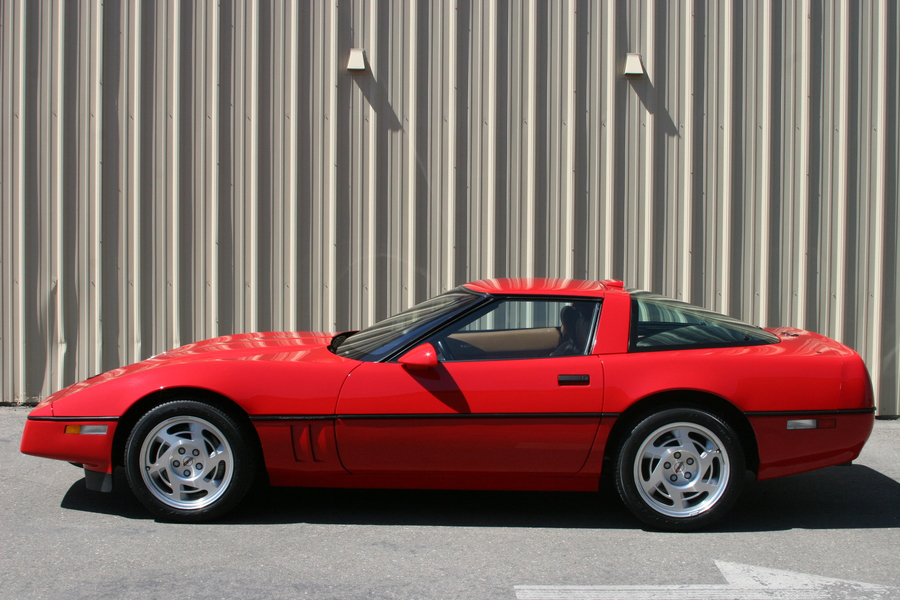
(786, 452)
(46, 437)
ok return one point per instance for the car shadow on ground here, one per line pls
(833, 498)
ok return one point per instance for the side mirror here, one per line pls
(420, 357)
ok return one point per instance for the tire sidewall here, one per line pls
(647, 426)
(242, 468)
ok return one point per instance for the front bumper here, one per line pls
(46, 437)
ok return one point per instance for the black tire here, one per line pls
(680, 469)
(163, 457)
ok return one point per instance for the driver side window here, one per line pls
(516, 329)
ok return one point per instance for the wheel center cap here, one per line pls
(187, 461)
(679, 466)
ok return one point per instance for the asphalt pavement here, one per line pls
(832, 533)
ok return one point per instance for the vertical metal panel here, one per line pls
(19, 182)
(874, 186)
(793, 170)
(12, 38)
(175, 171)
(608, 66)
(888, 355)
(130, 340)
(57, 344)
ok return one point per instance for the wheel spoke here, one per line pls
(656, 477)
(677, 497)
(207, 483)
(155, 471)
(170, 439)
(655, 452)
(680, 435)
(700, 486)
(671, 440)
(219, 452)
(707, 459)
(213, 465)
(185, 492)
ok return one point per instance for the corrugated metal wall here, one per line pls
(173, 171)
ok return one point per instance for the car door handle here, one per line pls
(574, 380)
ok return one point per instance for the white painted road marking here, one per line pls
(744, 583)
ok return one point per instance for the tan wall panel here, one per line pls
(174, 171)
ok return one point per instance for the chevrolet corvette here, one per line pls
(502, 384)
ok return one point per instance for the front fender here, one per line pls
(259, 387)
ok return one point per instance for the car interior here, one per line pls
(568, 338)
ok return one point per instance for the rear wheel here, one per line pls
(680, 469)
(189, 461)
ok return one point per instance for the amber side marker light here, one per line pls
(812, 424)
(86, 429)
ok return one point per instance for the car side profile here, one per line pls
(502, 384)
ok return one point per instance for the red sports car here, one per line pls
(504, 384)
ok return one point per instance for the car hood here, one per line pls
(272, 347)
(284, 345)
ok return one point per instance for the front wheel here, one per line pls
(188, 461)
(680, 469)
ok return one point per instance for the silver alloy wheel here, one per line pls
(186, 462)
(681, 469)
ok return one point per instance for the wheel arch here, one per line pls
(682, 399)
(137, 410)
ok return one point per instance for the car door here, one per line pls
(516, 392)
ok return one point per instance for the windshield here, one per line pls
(381, 339)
